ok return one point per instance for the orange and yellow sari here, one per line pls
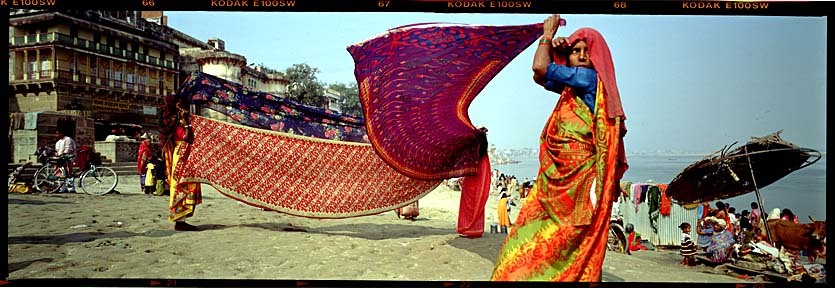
(183, 198)
(561, 231)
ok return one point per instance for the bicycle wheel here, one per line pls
(47, 180)
(617, 240)
(99, 180)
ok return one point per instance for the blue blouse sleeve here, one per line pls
(581, 78)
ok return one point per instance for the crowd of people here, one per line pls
(509, 190)
(724, 234)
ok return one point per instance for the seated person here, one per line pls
(721, 244)
(633, 239)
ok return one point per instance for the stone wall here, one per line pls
(118, 151)
(25, 142)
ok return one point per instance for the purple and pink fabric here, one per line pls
(417, 82)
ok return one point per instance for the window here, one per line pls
(130, 80)
(94, 66)
(46, 67)
(11, 66)
(32, 67)
(117, 78)
(107, 74)
(73, 60)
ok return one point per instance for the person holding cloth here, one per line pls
(562, 230)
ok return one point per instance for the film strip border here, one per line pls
(655, 7)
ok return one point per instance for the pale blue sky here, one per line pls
(687, 83)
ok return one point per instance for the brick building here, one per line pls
(111, 66)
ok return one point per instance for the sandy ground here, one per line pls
(127, 235)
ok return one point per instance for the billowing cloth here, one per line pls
(297, 175)
(268, 111)
(416, 83)
(561, 232)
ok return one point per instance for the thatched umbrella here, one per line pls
(728, 173)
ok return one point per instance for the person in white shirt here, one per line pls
(65, 148)
(65, 144)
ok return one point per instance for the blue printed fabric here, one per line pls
(268, 111)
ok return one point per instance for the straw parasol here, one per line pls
(728, 173)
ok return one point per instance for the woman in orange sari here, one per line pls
(184, 197)
(561, 231)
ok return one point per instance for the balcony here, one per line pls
(31, 39)
(55, 37)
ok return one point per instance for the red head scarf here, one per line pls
(602, 61)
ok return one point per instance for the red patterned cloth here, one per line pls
(297, 175)
(416, 83)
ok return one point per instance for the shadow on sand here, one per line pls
(382, 231)
(35, 202)
(487, 246)
(20, 265)
(91, 236)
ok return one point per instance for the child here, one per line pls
(688, 248)
(150, 182)
(159, 174)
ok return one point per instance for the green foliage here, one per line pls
(349, 101)
(304, 87)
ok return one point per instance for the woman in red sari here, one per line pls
(184, 197)
(561, 231)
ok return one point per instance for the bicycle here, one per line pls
(94, 179)
(616, 241)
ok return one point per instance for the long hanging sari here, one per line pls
(561, 231)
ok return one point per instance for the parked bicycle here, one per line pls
(92, 177)
(617, 236)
